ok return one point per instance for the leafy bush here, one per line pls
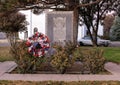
(26, 62)
(69, 47)
(61, 60)
(92, 59)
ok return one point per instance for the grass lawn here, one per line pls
(60, 83)
(112, 54)
(4, 54)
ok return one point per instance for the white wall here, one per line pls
(82, 31)
(35, 21)
(39, 22)
(100, 30)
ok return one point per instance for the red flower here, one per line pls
(28, 43)
(34, 48)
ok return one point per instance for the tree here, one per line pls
(90, 11)
(108, 22)
(93, 14)
(11, 24)
(7, 5)
(115, 29)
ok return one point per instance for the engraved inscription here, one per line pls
(59, 28)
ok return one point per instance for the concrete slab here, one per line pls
(7, 66)
(113, 68)
(59, 77)
(4, 42)
(99, 78)
(40, 77)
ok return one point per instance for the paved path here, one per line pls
(113, 68)
(4, 42)
(115, 44)
(7, 66)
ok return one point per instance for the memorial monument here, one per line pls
(59, 26)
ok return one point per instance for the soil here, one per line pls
(46, 68)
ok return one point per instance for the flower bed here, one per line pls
(30, 57)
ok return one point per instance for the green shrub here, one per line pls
(92, 59)
(69, 47)
(61, 60)
(26, 62)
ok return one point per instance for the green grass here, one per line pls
(60, 83)
(112, 54)
(4, 54)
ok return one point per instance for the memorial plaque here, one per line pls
(59, 26)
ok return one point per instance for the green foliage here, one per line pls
(92, 59)
(112, 54)
(13, 23)
(115, 30)
(61, 60)
(8, 5)
(26, 62)
(69, 47)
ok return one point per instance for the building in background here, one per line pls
(35, 23)
(38, 22)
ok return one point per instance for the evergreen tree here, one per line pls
(115, 29)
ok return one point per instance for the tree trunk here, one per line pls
(95, 39)
(75, 25)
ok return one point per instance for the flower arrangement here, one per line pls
(38, 44)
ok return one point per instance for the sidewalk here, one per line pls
(4, 42)
(4, 75)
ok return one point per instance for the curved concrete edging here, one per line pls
(6, 66)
